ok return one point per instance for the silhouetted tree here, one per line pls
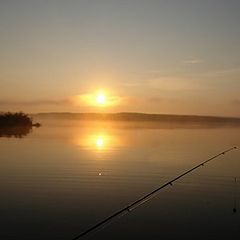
(9, 119)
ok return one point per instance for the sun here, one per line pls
(101, 99)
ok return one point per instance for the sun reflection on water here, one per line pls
(100, 141)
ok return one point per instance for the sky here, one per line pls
(153, 56)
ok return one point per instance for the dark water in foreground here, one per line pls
(62, 178)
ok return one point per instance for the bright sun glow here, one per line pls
(101, 99)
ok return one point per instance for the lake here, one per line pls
(62, 178)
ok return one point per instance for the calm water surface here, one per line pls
(64, 177)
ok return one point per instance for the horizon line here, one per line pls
(141, 113)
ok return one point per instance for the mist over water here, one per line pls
(64, 177)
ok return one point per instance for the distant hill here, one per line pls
(142, 117)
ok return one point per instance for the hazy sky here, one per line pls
(163, 56)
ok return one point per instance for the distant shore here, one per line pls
(132, 116)
(143, 118)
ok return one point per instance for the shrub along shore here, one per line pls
(18, 119)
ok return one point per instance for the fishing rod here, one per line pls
(144, 199)
(235, 198)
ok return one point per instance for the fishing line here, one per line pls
(144, 199)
